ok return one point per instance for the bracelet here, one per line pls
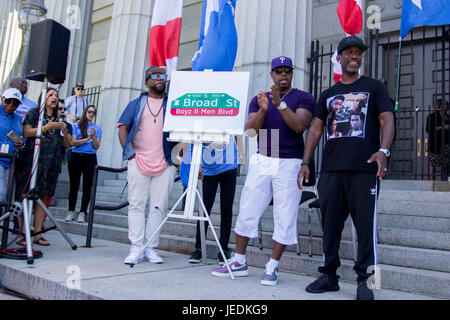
(305, 163)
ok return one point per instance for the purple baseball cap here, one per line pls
(282, 62)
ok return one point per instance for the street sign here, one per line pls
(204, 103)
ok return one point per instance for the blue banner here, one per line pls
(218, 37)
(424, 13)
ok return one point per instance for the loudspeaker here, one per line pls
(48, 52)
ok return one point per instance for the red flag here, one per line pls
(351, 16)
(165, 34)
(337, 68)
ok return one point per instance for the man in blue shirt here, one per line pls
(76, 104)
(21, 84)
(9, 121)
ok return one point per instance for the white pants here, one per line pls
(142, 188)
(267, 178)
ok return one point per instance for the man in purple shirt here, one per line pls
(279, 117)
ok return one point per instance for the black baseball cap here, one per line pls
(352, 41)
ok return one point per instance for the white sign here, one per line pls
(207, 103)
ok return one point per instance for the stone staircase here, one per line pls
(413, 223)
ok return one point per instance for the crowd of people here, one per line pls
(61, 132)
(356, 112)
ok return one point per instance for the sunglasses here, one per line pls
(62, 109)
(79, 89)
(14, 102)
(280, 71)
(92, 112)
(155, 76)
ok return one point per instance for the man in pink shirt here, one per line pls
(150, 169)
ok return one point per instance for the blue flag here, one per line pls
(218, 37)
(424, 13)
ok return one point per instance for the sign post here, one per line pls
(204, 107)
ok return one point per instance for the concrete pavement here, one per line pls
(99, 273)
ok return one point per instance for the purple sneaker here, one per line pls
(237, 269)
(270, 276)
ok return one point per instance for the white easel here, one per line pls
(192, 193)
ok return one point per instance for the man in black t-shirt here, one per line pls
(352, 168)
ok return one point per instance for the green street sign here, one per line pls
(205, 104)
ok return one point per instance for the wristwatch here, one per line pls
(282, 106)
(386, 152)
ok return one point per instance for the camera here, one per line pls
(62, 117)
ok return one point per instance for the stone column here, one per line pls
(76, 16)
(10, 41)
(123, 81)
(268, 29)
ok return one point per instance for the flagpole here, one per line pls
(397, 95)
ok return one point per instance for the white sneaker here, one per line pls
(70, 216)
(133, 258)
(150, 255)
(81, 217)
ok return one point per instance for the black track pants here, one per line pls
(341, 193)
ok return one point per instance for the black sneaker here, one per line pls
(220, 258)
(196, 257)
(324, 283)
(363, 292)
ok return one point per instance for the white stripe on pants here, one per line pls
(267, 178)
(142, 188)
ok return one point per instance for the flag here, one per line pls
(351, 16)
(337, 68)
(424, 13)
(218, 37)
(165, 34)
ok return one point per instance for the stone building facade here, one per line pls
(110, 40)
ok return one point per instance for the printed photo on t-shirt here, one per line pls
(347, 115)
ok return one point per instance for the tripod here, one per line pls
(192, 193)
(31, 196)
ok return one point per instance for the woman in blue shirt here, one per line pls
(219, 167)
(86, 141)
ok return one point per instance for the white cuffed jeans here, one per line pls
(269, 178)
(142, 188)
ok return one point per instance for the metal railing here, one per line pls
(93, 94)
(425, 77)
(93, 206)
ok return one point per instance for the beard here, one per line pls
(351, 69)
(158, 88)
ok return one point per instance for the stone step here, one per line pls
(404, 208)
(396, 221)
(416, 196)
(437, 221)
(117, 186)
(428, 282)
(123, 177)
(409, 208)
(415, 185)
(437, 260)
(388, 233)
